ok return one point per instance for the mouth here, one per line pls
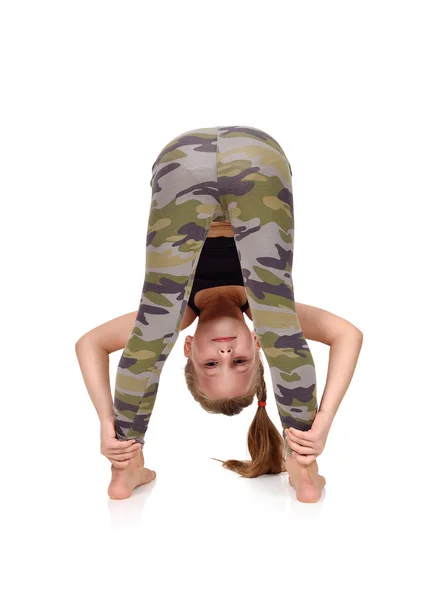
(224, 339)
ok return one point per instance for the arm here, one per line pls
(345, 341)
(92, 351)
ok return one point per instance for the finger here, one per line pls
(121, 457)
(304, 460)
(119, 444)
(120, 451)
(120, 465)
(301, 449)
(299, 439)
(302, 435)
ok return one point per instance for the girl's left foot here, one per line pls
(305, 479)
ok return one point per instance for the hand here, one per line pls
(119, 452)
(307, 445)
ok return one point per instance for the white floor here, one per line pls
(199, 530)
(378, 531)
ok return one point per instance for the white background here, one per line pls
(355, 92)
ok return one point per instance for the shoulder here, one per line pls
(111, 335)
(189, 317)
(322, 325)
(318, 324)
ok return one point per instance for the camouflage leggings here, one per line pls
(243, 175)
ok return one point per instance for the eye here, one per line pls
(238, 361)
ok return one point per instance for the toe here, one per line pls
(148, 475)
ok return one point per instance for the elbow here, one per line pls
(351, 332)
(358, 334)
(80, 344)
(89, 343)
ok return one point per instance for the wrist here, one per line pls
(327, 416)
(107, 420)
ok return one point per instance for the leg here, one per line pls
(255, 187)
(306, 480)
(124, 481)
(184, 202)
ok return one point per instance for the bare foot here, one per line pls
(305, 479)
(124, 481)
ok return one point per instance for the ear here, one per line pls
(187, 346)
(255, 338)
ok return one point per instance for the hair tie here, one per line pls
(262, 403)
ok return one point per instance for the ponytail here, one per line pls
(265, 444)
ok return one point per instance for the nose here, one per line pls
(224, 351)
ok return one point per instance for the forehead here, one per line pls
(225, 385)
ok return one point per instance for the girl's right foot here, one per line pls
(124, 481)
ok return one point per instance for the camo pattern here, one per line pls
(240, 174)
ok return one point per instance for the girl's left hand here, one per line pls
(307, 445)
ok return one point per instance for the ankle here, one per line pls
(294, 465)
(135, 463)
(138, 459)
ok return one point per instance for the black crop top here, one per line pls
(218, 265)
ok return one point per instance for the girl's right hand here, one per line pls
(119, 452)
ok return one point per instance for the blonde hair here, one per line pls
(265, 444)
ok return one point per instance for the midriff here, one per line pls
(220, 229)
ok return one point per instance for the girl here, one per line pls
(220, 244)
